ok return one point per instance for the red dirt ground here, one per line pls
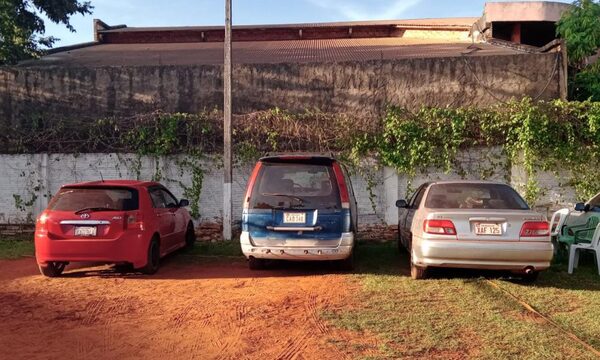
(205, 310)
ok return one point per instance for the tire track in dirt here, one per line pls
(233, 338)
(294, 346)
(313, 313)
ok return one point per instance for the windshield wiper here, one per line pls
(94, 209)
(299, 199)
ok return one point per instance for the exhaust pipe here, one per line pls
(529, 270)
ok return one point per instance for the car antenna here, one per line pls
(101, 177)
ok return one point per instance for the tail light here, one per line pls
(439, 227)
(535, 229)
(251, 182)
(134, 221)
(341, 182)
(41, 222)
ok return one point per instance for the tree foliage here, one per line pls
(22, 30)
(580, 27)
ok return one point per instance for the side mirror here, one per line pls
(581, 207)
(402, 204)
(184, 203)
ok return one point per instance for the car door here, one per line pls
(408, 214)
(164, 217)
(179, 225)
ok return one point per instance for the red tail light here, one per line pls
(535, 229)
(41, 222)
(134, 221)
(439, 227)
(251, 182)
(341, 182)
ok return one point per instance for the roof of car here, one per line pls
(297, 156)
(467, 182)
(113, 183)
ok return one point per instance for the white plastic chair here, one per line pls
(593, 246)
(558, 220)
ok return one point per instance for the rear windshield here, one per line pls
(474, 196)
(295, 186)
(98, 198)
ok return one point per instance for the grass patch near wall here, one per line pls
(217, 249)
(460, 315)
(14, 247)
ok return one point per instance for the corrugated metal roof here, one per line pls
(459, 23)
(266, 52)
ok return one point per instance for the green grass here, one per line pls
(13, 247)
(216, 249)
(464, 316)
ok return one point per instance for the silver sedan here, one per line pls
(473, 224)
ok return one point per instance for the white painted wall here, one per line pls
(41, 175)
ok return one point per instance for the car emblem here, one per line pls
(85, 216)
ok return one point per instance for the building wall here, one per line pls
(356, 87)
(35, 177)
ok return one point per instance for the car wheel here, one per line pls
(418, 272)
(256, 264)
(52, 269)
(153, 261)
(190, 236)
(347, 264)
(530, 278)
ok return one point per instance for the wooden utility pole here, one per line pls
(227, 126)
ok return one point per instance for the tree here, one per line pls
(580, 27)
(22, 30)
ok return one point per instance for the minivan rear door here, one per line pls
(296, 203)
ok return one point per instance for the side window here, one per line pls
(158, 202)
(170, 200)
(416, 199)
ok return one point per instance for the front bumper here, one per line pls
(496, 255)
(340, 251)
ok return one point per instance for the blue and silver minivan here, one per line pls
(299, 207)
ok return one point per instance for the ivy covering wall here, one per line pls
(554, 136)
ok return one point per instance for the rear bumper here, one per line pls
(340, 251)
(513, 256)
(130, 248)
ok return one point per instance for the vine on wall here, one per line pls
(555, 136)
(552, 136)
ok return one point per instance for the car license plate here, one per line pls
(85, 231)
(294, 218)
(488, 229)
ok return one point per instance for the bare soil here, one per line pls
(204, 310)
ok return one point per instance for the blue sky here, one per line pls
(210, 12)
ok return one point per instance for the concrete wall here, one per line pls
(356, 87)
(34, 178)
(524, 11)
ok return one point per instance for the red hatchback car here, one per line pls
(118, 221)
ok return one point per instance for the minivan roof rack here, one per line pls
(329, 154)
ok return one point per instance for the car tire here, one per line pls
(530, 278)
(347, 264)
(256, 264)
(418, 272)
(52, 269)
(153, 259)
(190, 236)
